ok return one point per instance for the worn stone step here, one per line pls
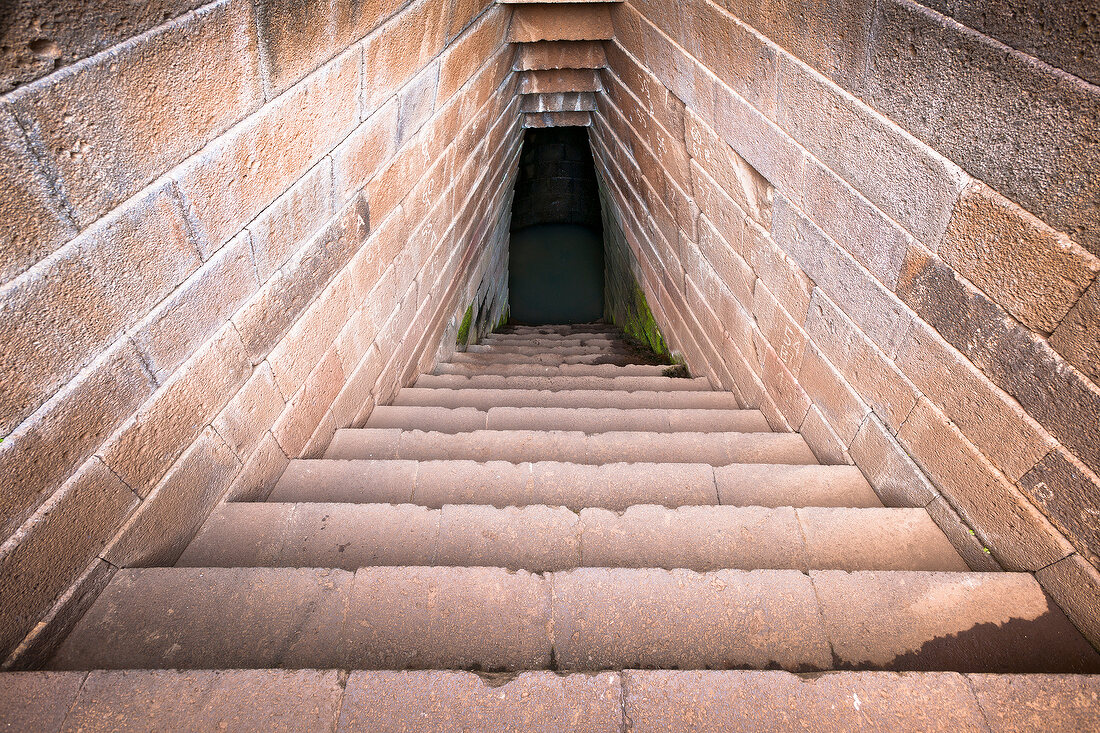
(641, 701)
(614, 486)
(484, 399)
(493, 359)
(717, 449)
(557, 383)
(599, 340)
(609, 371)
(583, 419)
(589, 619)
(573, 349)
(545, 538)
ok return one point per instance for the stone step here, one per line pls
(641, 701)
(563, 328)
(557, 383)
(608, 371)
(573, 349)
(484, 399)
(517, 339)
(583, 419)
(717, 449)
(545, 539)
(589, 619)
(614, 486)
(494, 359)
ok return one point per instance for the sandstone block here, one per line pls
(34, 220)
(669, 701)
(915, 61)
(417, 101)
(199, 307)
(729, 49)
(157, 533)
(852, 221)
(1060, 398)
(559, 55)
(45, 555)
(37, 700)
(900, 175)
(150, 441)
(557, 119)
(1018, 535)
(311, 337)
(875, 310)
(282, 228)
(260, 472)
(558, 102)
(245, 170)
(1020, 702)
(43, 452)
(827, 446)
(400, 47)
(44, 38)
(166, 95)
(838, 402)
(295, 38)
(1077, 338)
(560, 80)
(445, 701)
(889, 469)
(781, 331)
(252, 699)
(990, 419)
(306, 409)
(571, 22)
(69, 308)
(1066, 492)
(248, 415)
(964, 539)
(1049, 33)
(743, 183)
(1032, 271)
(873, 376)
(467, 54)
(1074, 583)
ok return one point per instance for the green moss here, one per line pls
(504, 315)
(640, 324)
(464, 329)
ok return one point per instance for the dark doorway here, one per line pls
(555, 270)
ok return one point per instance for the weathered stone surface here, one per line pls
(250, 413)
(989, 417)
(1069, 494)
(236, 699)
(1077, 337)
(664, 701)
(469, 52)
(34, 221)
(892, 473)
(1018, 703)
(1074, 583)
(165, 94)
(559, 55)
(1032, 271)
(577, 22)
(67, 309)
(961, 622)
(45, 555)
(964, 539)
(1060, 398)
(283, 227)
(170, 515)
(1063, 35)
(1026, 130)
(744, 184)
(44, 451)
(399, 48)
(151, 440)
(447, 701)
(560, 80)
(37, 701)
(1019, 536)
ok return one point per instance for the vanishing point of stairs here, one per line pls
(545, 502)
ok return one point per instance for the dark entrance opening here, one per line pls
(555, 256)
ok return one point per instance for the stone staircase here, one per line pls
(549, 533)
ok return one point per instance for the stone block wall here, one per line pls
(556, 183)
(876, 221)
(225, 231)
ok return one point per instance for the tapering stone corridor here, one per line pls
(283, 446)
